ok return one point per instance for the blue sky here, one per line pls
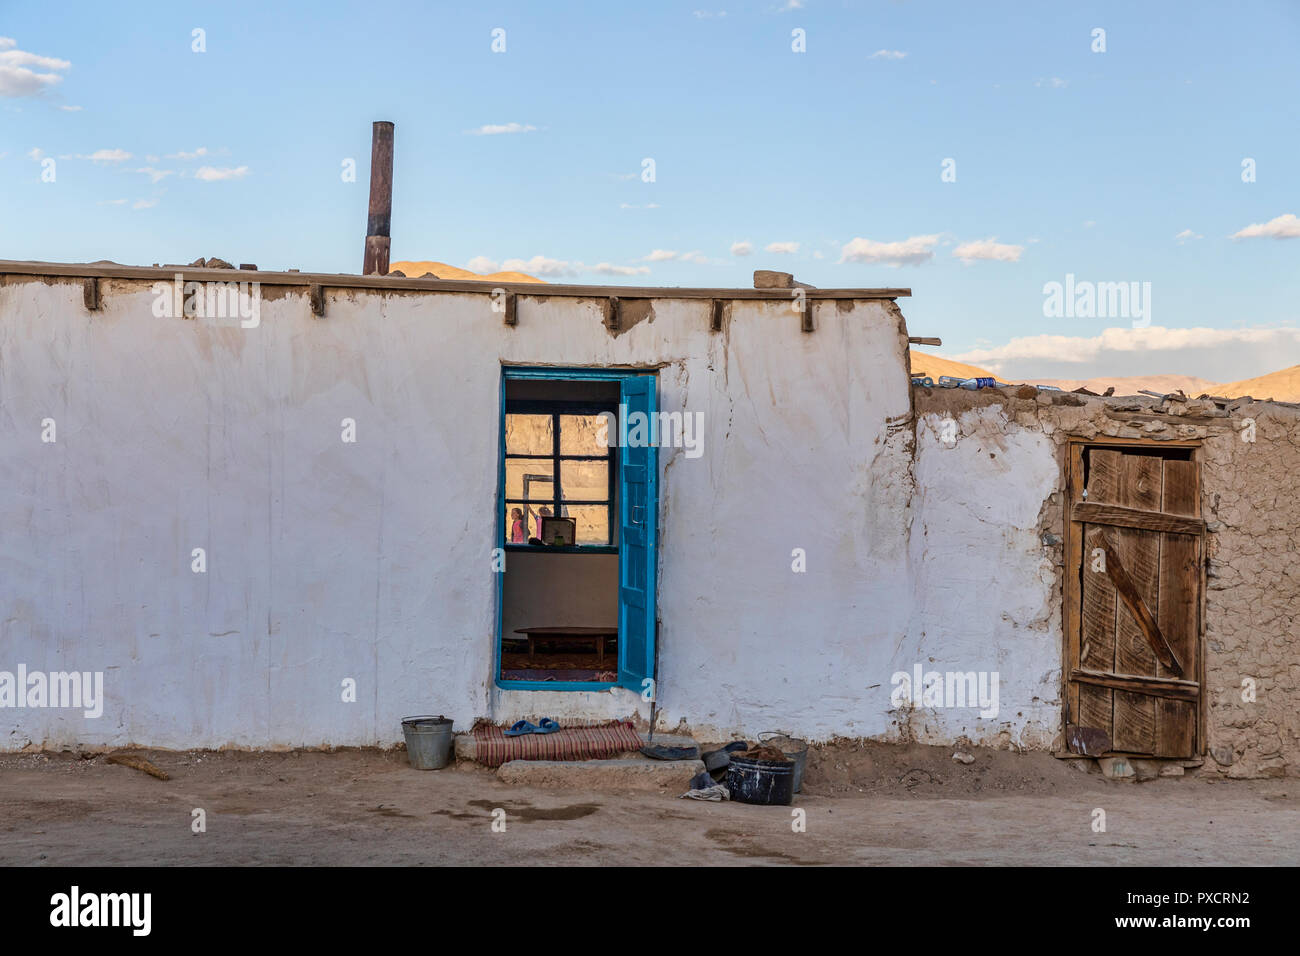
(1115, 166)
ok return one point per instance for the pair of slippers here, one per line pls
(521, 727)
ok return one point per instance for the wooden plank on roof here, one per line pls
(485, 287)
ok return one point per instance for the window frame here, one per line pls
(557, 408)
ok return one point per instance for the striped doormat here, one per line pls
(592, 741)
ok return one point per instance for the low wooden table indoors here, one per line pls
(597, 634)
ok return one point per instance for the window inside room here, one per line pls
(558, 465)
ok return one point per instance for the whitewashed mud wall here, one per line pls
(986, 595)
(329, 561)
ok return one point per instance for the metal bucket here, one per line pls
(428, 741)
(767, 782)
(793, 747)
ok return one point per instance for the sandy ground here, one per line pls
(864, 803)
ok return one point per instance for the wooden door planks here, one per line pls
(1140, 483)
(1179, 611)
(1097, 641)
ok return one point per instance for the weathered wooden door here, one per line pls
(1133, 613)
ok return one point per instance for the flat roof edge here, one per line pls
(345, 281)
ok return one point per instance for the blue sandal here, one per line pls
(519, 728)
(546, 726)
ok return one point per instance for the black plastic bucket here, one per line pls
(766, 782)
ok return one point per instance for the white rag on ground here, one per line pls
(717, 793)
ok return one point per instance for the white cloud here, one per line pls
(742, 248)
(155, 175)
(1220, 355)
(1055, 83)
(1187, 235)
(201, 151)
(1286, 226)
(546, 266)
(35, 153)
(497, 129)
(108, 156)
(16, 79)
(13, 57)
(1089, 223)
(539, 265)
(144, 203)
(989, 249)
(98, 156)
(210, 174)
(782, 248)
(792, 5)
(709, 14)
(72, 109)
(888, 55)
(669, 255)
(606, 268)
(911, 251)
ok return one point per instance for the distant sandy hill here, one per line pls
(440, 270)
(924, 363)
(1283, 386)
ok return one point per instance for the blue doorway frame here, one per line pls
(638, 515)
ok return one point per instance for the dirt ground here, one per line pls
(864, 803)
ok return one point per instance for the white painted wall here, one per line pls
(985, 595)
(372, 560)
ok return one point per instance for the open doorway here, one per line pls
(576, 598)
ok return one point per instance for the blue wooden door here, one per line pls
(638, 509)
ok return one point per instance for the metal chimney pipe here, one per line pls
(379, 224)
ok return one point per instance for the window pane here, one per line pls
(580, 435)
(528, 435)
(532, 479)
(593, 523)
(584, 480)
